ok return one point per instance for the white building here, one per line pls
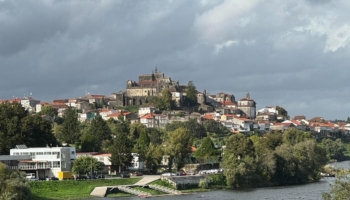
(45, 161)
(143, 110)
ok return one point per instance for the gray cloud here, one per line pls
(288, 53)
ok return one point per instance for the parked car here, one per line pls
(125, 175)
(168, 174)
(91, 177)
(190, 173)
(181, 173)
(101, 176)
(53, 178)
(41, 179)
(136, 174)
(81, 177)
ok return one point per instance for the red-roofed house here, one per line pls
(105, 112)
(148, 120)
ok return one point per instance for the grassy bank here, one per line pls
(50, 190)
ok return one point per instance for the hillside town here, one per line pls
(158, 127)
(238, 115)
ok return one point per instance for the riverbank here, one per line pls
(72, 189)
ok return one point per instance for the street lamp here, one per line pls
(93, 149)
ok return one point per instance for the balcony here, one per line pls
(33, 165)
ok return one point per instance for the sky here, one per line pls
(293, 54)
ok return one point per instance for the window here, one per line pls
(56, 164)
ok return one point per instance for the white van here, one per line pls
(31, 176)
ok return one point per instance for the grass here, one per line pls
(71, 189)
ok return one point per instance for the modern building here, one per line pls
(43, 161)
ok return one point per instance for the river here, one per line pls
(310, 191)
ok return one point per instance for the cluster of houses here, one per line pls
(239, 116)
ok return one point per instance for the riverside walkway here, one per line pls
(103, 190)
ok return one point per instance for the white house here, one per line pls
(45, 161)
(143, 110)
(136, 163)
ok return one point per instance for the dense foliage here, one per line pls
(13, 184)
(86, 165)
(191, 94)
(17, 126)
(163, 101)
(339, 190)
(274, 159)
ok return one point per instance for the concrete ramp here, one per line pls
(146, 180)
(99, 192)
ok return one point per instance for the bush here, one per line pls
(204, 183)
(218, 180)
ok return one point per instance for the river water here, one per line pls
(310, 191)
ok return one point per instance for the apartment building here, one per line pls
(44, 161)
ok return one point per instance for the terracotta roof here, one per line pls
(117, 114)
(227, 103)
(148, 116)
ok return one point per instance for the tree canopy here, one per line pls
(86, 165)
(13, 184)
(18, 127)
(178, 146)
(163, 101)
(69, 131)
(191, 94)
(121, 150)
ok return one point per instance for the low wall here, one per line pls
(183, 182)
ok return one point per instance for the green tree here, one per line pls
(141, 146)
(156, 136)
(121, 151)
(282, 111)
(178, 146)
(293, 136)
(86, 165)
(154, 157)
(69, 131)
(241, 172)
(339, 190)
(11, 115)
(37, 131)
(207, 150)
(212, 126)
(267, 143)
(240, 145)
(240, 162)
(18, 127)
(311, 160)
(136, 129)
(48, 110)
(191, 94)
(13, 184)
(197, 130)
(164, 100)
(348, 120)
(334, 149)
(100, 132)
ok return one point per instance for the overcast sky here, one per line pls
(290, 53)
